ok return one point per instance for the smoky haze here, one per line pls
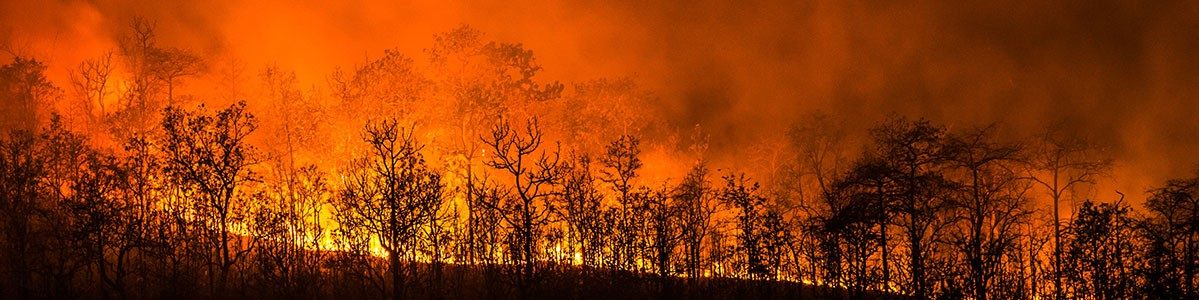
(1121, 72)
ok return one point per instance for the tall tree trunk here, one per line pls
(882, 223)
(1058, 293)
(397, 275)
(917, 261)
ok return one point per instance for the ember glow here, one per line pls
(611, 149)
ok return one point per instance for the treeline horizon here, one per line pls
(183, 202)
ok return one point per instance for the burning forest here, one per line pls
(598, 150)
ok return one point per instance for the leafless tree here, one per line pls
(820, 142)
(91, 82)
(389, 195)
(741, 195)
(533, 172)
(916, 153)
(1061, 163)
(991, 207)
(696, 199)
(855, 225)
(139, 221)
(136, 46)
(287, 224)
(621, 162)
(581, 208)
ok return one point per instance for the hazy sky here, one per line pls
(1123, 72)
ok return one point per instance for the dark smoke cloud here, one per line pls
(1121, 72)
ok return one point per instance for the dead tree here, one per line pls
(581, 208)
(990, 207)
(389, 195)
(1063, 162)
(533, 172)
(621, 162)
(91, 82)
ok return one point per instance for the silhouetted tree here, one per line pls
(389, 195)
(1061, 163)
(742, 196)
(1172, 235)
(916, 153)
(287, 225)
(819, 144)
(208, 158)
(855, 226)
(696, 200)
(388, 86)
(621, 162)
(527, 208)
(582, 209)
(24, 93)
(140, 224)
(169, 65)
(990, 207)
(1098, 253)
(91, 82)
(81, 185)
(21, 166)
(484, 83)
(664, 234)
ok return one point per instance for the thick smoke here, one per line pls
(1121, 72)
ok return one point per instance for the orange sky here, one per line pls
(1122, 72)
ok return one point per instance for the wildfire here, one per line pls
(927, 150)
